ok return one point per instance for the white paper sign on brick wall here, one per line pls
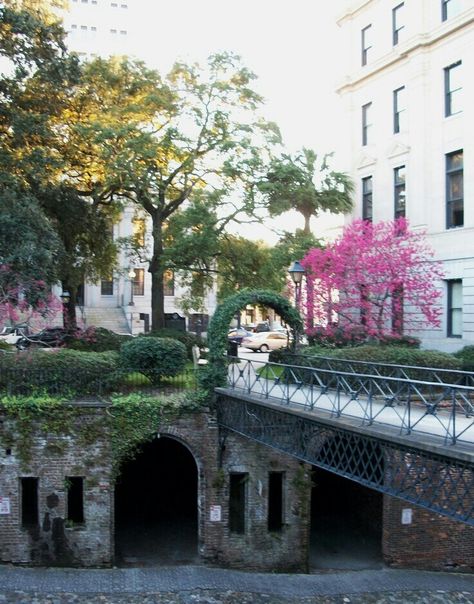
(215, 513)
(4, 505)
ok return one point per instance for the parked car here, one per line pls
(266, 340)
(11, 335)
(51, 337)
(236, 335)
(262, 326)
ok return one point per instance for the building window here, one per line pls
(367, 198)
(107, 286)
(365, 43)
(452, 89)
(399, 107)
(454, 190)
(366, 125)
(75, 499)
(399, 191)
(168, 283)
(237, 501)
(138, 282)
(139, 231)
(455, 308)
(449, 8)
(397, 22)
(275, 501)
(29, 502)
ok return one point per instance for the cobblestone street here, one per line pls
(236, 597)
(203, 585)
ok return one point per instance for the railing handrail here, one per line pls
(377, 364)
(366, 375)
(400, 402)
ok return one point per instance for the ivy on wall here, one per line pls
(215, 373)
(128, 422)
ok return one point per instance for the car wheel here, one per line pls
(264, 348)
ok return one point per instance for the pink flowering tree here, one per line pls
(23, 299)
(377, 280)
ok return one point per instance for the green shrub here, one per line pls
(402, 340)
(98, 339)
(336, 337)
(154, 357)
(62, 372)
(394, 355)
(466, 356)
(188, 339)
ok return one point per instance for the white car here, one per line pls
(11, 335)
(266, 340)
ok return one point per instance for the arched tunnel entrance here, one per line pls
(346, 523)
(156, 511)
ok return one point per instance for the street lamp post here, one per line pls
(296, 272)
(65, 298)
(131, 275)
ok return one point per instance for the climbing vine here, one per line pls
(214, 374)
(129, 421)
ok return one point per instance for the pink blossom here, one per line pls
(380, 276)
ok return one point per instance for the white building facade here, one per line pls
(409, 92)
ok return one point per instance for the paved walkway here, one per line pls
(199, 584)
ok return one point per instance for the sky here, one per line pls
(291, 46)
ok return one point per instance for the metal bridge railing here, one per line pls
(408, 372)
(441, 410)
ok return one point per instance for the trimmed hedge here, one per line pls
(394, 355)
(466, 356)
(98, 339)
(58, 372)
(188, 339)
(154, 357)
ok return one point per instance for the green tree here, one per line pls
(37, 72)
(37, 169)
(157, 143)
(243, 263)
(300, 183)
(87, 247)
(29, 244)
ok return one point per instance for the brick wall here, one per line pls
(430, 541)
(52, 541)
(55, 457)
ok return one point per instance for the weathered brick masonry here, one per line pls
(56, 457)
(429, 541)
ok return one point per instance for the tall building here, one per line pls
(122, 301)
(409, 93)
(101, 27)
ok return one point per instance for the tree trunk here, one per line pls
(307, 225)
(157, 272)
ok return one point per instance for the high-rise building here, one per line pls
(101, 27)
(409, 93)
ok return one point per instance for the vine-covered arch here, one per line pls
(215, 372)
